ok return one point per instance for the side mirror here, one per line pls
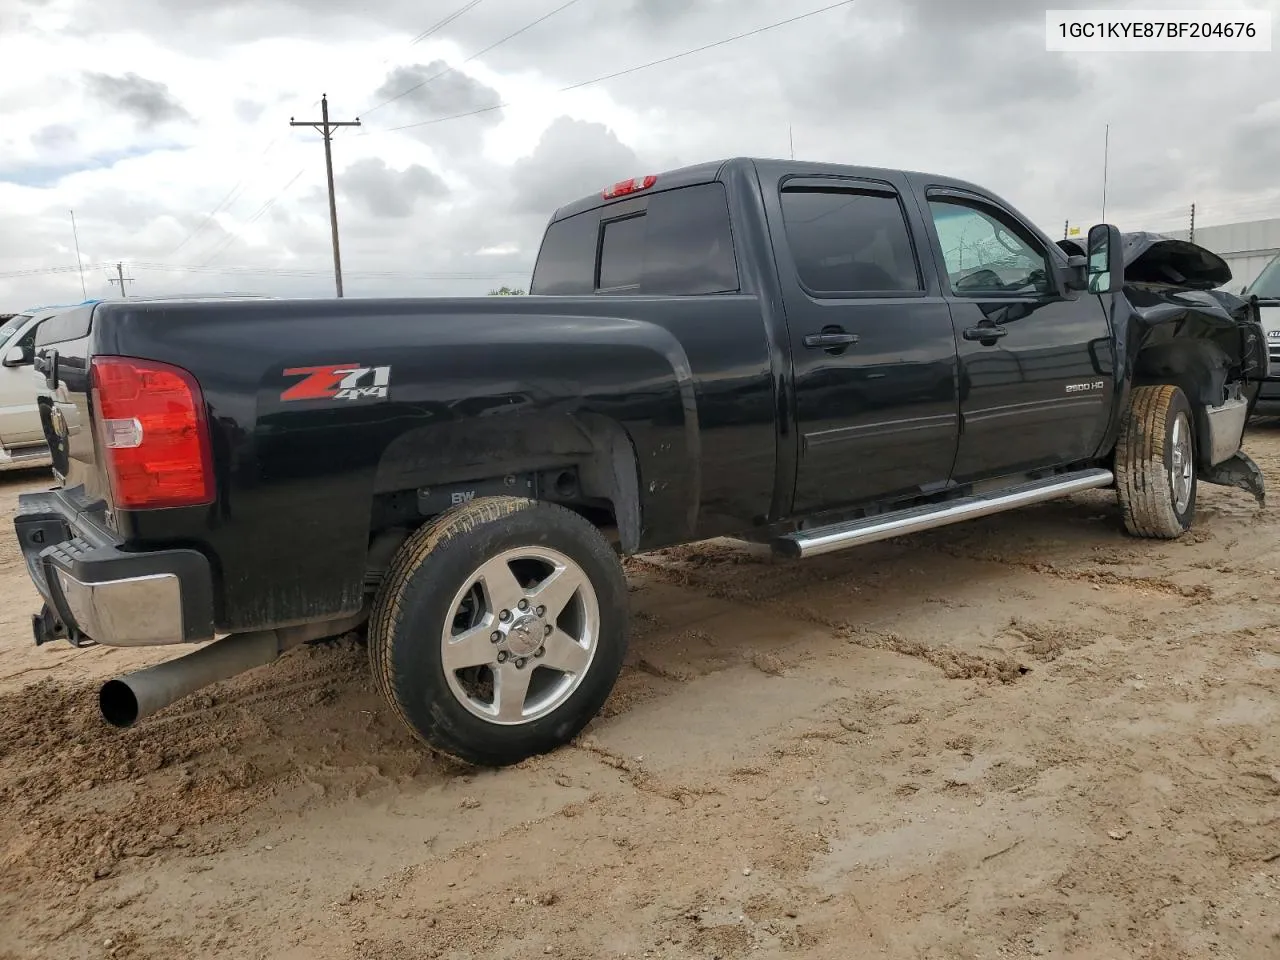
(1106, 259)
(1077, 275)
(16, 357)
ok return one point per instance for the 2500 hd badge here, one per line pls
(1081, 387)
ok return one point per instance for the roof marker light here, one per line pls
(623, 187)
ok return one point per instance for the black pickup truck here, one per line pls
(807, 355)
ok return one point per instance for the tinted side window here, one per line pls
(689, 244)
(622, 246)
(567, 261)
(72, 324)
(986, 255)
(850, 241)
(680, 246)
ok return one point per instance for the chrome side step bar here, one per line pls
(820, 540)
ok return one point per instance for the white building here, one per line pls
(1247, 247)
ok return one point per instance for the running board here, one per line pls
(25, 457)
(820, 540)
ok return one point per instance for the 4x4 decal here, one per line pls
(339, 381)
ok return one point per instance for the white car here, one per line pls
(1267, 289)
(22, 439)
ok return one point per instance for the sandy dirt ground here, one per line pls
(1026, 736)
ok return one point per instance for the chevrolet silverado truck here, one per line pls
(1267, 290)
(805, 355)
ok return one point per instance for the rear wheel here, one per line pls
(1156, 463)
(500, 629)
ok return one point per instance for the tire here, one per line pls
(487, 701)
(1156, 476)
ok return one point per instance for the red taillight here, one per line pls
(154, 434)
(623, 187)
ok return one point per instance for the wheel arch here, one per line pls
(1200, 367)
(595, 450)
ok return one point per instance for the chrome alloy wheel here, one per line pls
(1181, 465)
(523, 632)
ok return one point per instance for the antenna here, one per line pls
(1106, 149)
(79, 262)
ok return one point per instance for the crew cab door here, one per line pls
(1035, 386)
(872, 350)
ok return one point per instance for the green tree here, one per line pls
(505, 291)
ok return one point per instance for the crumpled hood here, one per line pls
(1174, 282)
(1155, 258)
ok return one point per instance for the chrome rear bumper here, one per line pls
(95, 592)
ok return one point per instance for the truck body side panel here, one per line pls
(472, 387)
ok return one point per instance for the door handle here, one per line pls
(985, 332)
(827, 340)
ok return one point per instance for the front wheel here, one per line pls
(500, 629)
(1156, 463)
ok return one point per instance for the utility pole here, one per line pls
(1066, 225)
(1192, 237)
(325, 128)
(120, 278)
(80, 264)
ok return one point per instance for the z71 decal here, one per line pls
(339, 381)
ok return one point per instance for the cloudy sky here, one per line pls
(164, 124)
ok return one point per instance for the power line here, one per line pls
(1264, 208)
(231, 195)
(44, 271)
(474, 56)
(630, 70)
(440, 25)
(234, 235)
(247, 176)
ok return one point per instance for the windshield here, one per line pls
(12, 326)
(1267, 286)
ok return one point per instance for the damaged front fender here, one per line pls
(1171, 324)
(1239, 471)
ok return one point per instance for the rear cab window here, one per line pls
(674, 243)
